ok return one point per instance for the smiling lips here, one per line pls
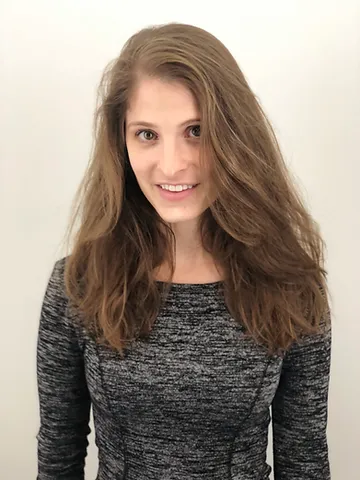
(178, 187)
(176, 192)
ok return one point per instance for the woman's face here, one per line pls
(163, 143)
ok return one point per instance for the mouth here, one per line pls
(177, 195)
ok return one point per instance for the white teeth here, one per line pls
(176, 188)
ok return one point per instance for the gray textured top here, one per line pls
(193, 402)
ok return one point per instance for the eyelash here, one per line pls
(137, 134)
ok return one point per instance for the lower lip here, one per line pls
(176, 196)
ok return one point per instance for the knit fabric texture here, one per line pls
(192, 402)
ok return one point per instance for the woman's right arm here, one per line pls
(63, 395)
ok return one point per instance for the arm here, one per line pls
(299, 410)
(63, 394)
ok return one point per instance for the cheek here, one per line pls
(140, 160)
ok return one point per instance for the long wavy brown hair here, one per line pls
(257, 227)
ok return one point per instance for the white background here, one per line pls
(302, 58)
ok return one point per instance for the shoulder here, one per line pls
(57, 319)
(55, 304)
(55, 288)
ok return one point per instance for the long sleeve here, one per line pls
(63, 395)
(300, 410)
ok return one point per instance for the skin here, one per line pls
(167, 152)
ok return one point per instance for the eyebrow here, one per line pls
(152, 125)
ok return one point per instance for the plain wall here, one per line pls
(302, 59)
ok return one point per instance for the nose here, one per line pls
(172, 159)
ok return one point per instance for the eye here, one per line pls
(195, 129)
(145, 135)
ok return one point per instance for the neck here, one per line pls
(188, 242)
(193, 264)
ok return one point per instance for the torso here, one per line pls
(192, 401)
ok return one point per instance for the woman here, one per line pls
(193, 307)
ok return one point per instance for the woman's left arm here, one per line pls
(300, 410)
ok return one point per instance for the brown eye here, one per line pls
(146, 135)
(195, 131)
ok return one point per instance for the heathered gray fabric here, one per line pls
(191, 403)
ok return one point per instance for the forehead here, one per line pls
(153, 96)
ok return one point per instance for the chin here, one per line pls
(177, 218)
(177, 214)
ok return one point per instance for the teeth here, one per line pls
(176, 188)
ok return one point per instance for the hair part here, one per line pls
(256, 228)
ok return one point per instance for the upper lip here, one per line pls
(175, 184)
